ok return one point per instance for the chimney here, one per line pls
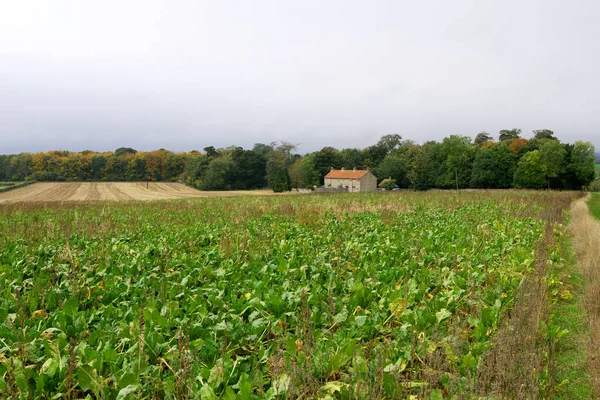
(331, 169)
(354, 169)
(342, 168)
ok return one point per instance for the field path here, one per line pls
(112, 191)
(586, 241)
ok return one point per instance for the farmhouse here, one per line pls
(356, 180)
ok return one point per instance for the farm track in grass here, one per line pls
(346, 296)
(113, 191)
(586, 240)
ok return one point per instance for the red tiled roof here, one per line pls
(346, 174)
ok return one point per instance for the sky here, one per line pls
(186, 74)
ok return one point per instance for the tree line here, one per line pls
(541, 161)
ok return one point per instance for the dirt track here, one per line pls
(111, 191)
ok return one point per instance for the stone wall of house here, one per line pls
(368, 183)
(352, 185)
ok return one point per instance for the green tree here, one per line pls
(216, 176)
(5, 172)
(392, 167)
(389, 184)
(482, 138)
(295, 174)
(582, 162)
(211, 151)
(174, 166)
(509, 134)
(76, 168)
(458, 157)
(20, 166)
(278, 164)
(373, 156)
(352, 158)
(530, 172)
(136, 168)
(262, 149)
(542, 134)
(277, 174)
(389, 143)
(325, 159)
(195, 168)
(493, 167)
(303, 173)
(98, 164)
(426, 165)
(114, 169)
(123, 151)
(248, 170)
(552, 156)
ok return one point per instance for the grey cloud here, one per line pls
(184, 75)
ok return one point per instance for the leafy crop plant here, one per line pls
(384, 295)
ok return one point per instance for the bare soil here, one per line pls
(114, 191)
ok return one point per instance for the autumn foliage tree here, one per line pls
(455, 162)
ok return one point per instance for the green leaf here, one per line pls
(49, 367)
(230, 394)
(245, 387)
(88, 379)
(397, 367)
(442, 315)
(360, 320)
(70, 306)
(185, 280)
(206, 393)
(340, 317)
(468, 361)
(282, 384)
(332, 387)
(397, 307)
(216, 374)
(123, 393)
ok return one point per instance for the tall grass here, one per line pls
(594, 204)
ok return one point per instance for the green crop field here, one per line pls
(328, 296)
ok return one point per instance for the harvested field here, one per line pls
(113, 191)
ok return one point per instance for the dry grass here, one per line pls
(114, 191)
(512, 369)
(586, 239)
(521, 364)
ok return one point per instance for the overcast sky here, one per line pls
(184, 75)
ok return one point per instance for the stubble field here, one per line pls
(384, 295)
(112, 191)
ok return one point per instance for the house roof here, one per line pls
(346, 174)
